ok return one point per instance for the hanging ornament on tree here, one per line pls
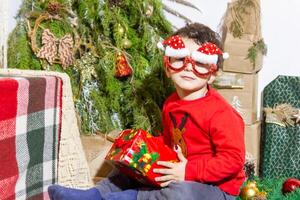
(85, 65)
(290, 185)
(126, 43)
(120, 29)
(123, 69)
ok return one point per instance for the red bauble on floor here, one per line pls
(290, 185)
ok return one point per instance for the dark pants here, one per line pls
(178, 190)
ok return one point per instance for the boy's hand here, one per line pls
(174, 171)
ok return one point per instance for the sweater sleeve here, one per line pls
(227, 135)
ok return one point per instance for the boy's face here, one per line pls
(186, 80)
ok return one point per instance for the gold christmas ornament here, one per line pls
(126, 44)
(120, 29)
(249, 191)
(252, 184)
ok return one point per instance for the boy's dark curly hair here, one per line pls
(201, 34)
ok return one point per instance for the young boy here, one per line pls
(206, 132)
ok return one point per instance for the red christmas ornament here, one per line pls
(123, 69)
(290, 185)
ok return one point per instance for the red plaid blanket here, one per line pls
(30, 120)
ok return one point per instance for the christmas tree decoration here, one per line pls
(135, 153)
(54, 7)
(123, 69)
(126, 44)
(50, 51)
(86, 67)
(97, 29)
(120, 29)
(290, 185)
(86, 106)
(272, 189)
(251, 191)
(54, 50)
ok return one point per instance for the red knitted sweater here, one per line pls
(214, 136)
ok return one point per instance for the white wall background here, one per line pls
(280, 29)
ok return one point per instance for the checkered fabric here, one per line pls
(30, 125)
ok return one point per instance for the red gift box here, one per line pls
(136, 152)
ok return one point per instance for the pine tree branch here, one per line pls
(174, 12)
(186, 4)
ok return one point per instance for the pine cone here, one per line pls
(113, 3)
(54, 7)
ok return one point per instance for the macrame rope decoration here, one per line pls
(54, 50)
(283, 115)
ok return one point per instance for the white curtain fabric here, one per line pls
(3, 32)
